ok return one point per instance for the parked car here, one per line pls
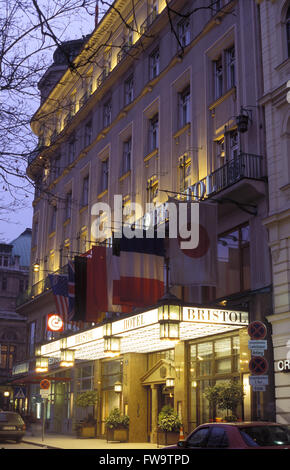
(12, 426)
(241, 435)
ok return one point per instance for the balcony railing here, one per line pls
(123, 52)
(148, 22)
(244, 166)
(38, 288)
(102, 77)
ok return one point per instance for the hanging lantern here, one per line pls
(170, 382)
(242, 121)
(111, 346)
(67, 358)
(169, 317)
(118, 387)
(41, 364)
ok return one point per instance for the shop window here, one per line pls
(111, 373)
(234, 262)
(84, 378)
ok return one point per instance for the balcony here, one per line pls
(102, 77)
(39, 288)
(123, 52)
(241, 180)
(148, 22)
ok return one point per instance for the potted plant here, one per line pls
(87, 427)
(226, 396)
(117, 426)
(169, 426)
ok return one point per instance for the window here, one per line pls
(220, 149)
(198, 438)
(152, 189)
(184, 172)
(107, 113)
(153, 132)
(231, 65)
(154, 64)
(218, 438)
(7, 354)
(85, 378)
(68, 205)
(126, 164)
(53, 219)
(234, 144)
(71, 150)
(32, 328)
(129, 90)
(184, 107)
(288, 31)
(216, 6)
(85, 192)
(218, 77)
(88, 133)
(105, 175)
(183, 29)
(56, 169)
(4, 283)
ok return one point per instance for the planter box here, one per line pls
(120, 435)
(87, 432)
(167, 438)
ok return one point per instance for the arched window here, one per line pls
(288, 30)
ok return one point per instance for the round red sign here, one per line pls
(44, 384)
(257, 330)
(258, 365)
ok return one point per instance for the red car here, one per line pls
(247, 435)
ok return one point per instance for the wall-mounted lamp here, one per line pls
(6, 393)
(170, 382)
(243, 119)
(112, 344)
(36, 267)
(118, 387)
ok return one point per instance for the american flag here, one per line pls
(59, 285)
(71, 290)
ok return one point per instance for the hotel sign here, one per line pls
(137, 321)
(206, 315)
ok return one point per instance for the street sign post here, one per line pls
(44, 392)
(257, 330)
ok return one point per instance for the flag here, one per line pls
(80, 305)
(141, 268)
(59, 285)
(71, 290)
(196, 266)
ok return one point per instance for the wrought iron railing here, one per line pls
(102, 77)
(123, 52)
(148, 22)
(38, 288)
(243, 166)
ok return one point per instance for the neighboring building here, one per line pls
(14, 273)
(275, 40)
(154, 111)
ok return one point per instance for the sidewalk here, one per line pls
(61, 441)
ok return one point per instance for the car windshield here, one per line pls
(265, 435)
(10, 418)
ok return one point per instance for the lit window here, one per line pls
(154, 64)
(152, 189)
(184, 173)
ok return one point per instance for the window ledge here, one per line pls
(84, 208)
(102, 194)
(182, 130)
(221, 99)
(66, 222)
(51, 234)
(125, 175)
(150, 155)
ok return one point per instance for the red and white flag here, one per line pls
(196, 266)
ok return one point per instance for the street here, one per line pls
(19, 445)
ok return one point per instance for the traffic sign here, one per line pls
(259, 388)
(44, 384)
(257, 344)
(260, 380)
(258, 365)
(44, 393)
(257, 330)
(19, 392)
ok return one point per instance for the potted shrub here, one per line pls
(87, 427)
(226, 396)
(117, 426)
(169, 426)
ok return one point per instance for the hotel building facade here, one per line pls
(162, 103)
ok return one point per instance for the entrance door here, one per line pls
(157, 398)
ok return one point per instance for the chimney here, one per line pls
(97, 13)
